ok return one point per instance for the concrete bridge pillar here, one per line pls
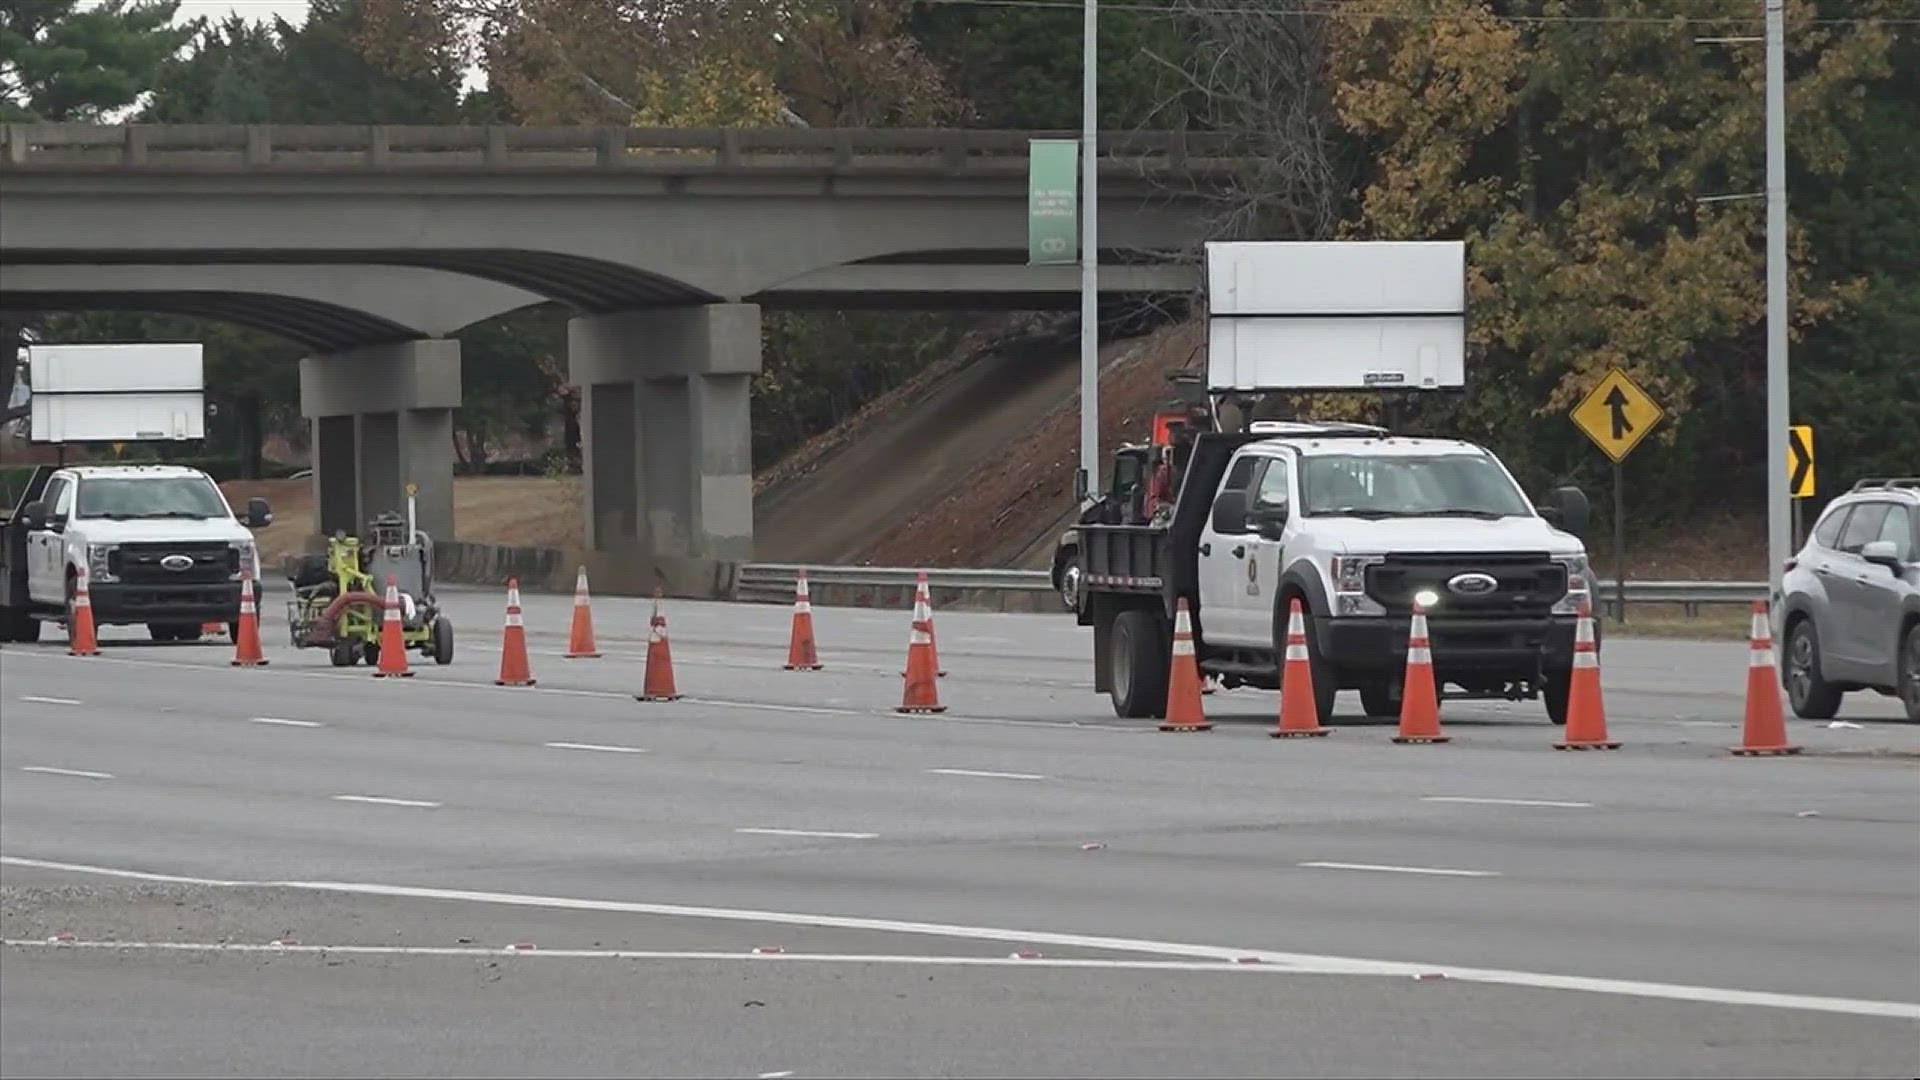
(667, 442)
(382, 417)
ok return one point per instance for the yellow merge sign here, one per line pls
(1617, 414)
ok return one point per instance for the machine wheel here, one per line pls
(442, 640)
(1142, 657)
(371, 653)
(1378, 699)
(1810, 695)
(341, 654)
(1555, 690)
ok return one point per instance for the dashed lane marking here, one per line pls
(595, 746)
(384, 801)
(985, 774)
(38, 700)
(52, 771)
(1390, 869)
(1506, 802)
(281, 722)
(811, 833)
(1901, 1010)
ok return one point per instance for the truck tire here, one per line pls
(1555, 689)
(1326, 687)
(18, 624)
(1378, 699)
(1142, 655)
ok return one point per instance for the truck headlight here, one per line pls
(1578, 582)
(100, 562)
(1350, 585)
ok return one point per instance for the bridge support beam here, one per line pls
(667, 442)
(382, 417)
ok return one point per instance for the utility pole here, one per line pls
(1779, 541)
(1090, 258)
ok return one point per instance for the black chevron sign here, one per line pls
(1800, 461)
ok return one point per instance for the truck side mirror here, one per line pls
(1570, 510)
(1230, 513)
(259, 514)
(33, 516)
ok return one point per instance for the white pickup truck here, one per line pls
(159, 545)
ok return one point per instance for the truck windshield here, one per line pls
(1438, 485)
(126, 497)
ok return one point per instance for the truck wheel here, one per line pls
(1378, 699)
(1142, 655)
(1555, 689)
(19, 625)
(442, 640)
(1070, 582)
(1325, 685)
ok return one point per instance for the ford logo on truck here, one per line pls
(1472, 584)
(177, 563)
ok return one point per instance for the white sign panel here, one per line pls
(1370, 315)
(116, 393)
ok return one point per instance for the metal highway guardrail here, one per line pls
(774, 583)
(503, 148)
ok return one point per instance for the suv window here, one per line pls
(1863, 526)
(1899, 529)
(1827, 535)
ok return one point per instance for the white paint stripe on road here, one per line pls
(595, 746)
(38, 700)
(1343, 965)
(988, 775)
(782, 1075)
(1506, 802)
(898, 959)
(813, 833)
(1390, 869)
(278, 721)
(51, 771)
(382, 801)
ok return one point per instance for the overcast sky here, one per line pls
(294, 11)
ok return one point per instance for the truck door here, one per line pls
(46, 549)
(1222, 568)
(1270, 510)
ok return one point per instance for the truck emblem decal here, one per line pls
(1253, 577)
(1473, 583)
(177, 563)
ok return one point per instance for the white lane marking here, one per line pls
(595, 746)
(988, 775)
(282, 723)
(1388, 869)
(1333, 964)
(782, 1075)
(1506, 802)
(811, 832)
(384, 801)
(51, 771)
(38, 700)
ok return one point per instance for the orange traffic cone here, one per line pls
(921, 694)
(81, 640)
(801, 653)
(580, 644)
(1766, 729)
(513, 643)
(658, 685)
(923, 595)
(246, 644)
(1184, 712)
(393, 651)
(1586, 712)
(1420, 701)
(1299, 714)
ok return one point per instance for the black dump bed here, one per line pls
(13, 542)
(1160, 560)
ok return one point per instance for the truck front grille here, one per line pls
(144, 563)
(1526, 583)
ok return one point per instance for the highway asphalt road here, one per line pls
(1023, 885)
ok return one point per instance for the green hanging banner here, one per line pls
(1053, 202)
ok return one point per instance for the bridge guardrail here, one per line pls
(774, 583)
(403, 148)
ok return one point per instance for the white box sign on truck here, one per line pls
(116, 393)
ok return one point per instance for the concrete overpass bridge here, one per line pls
(369, 244)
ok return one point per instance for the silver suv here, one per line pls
(1851, 610)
